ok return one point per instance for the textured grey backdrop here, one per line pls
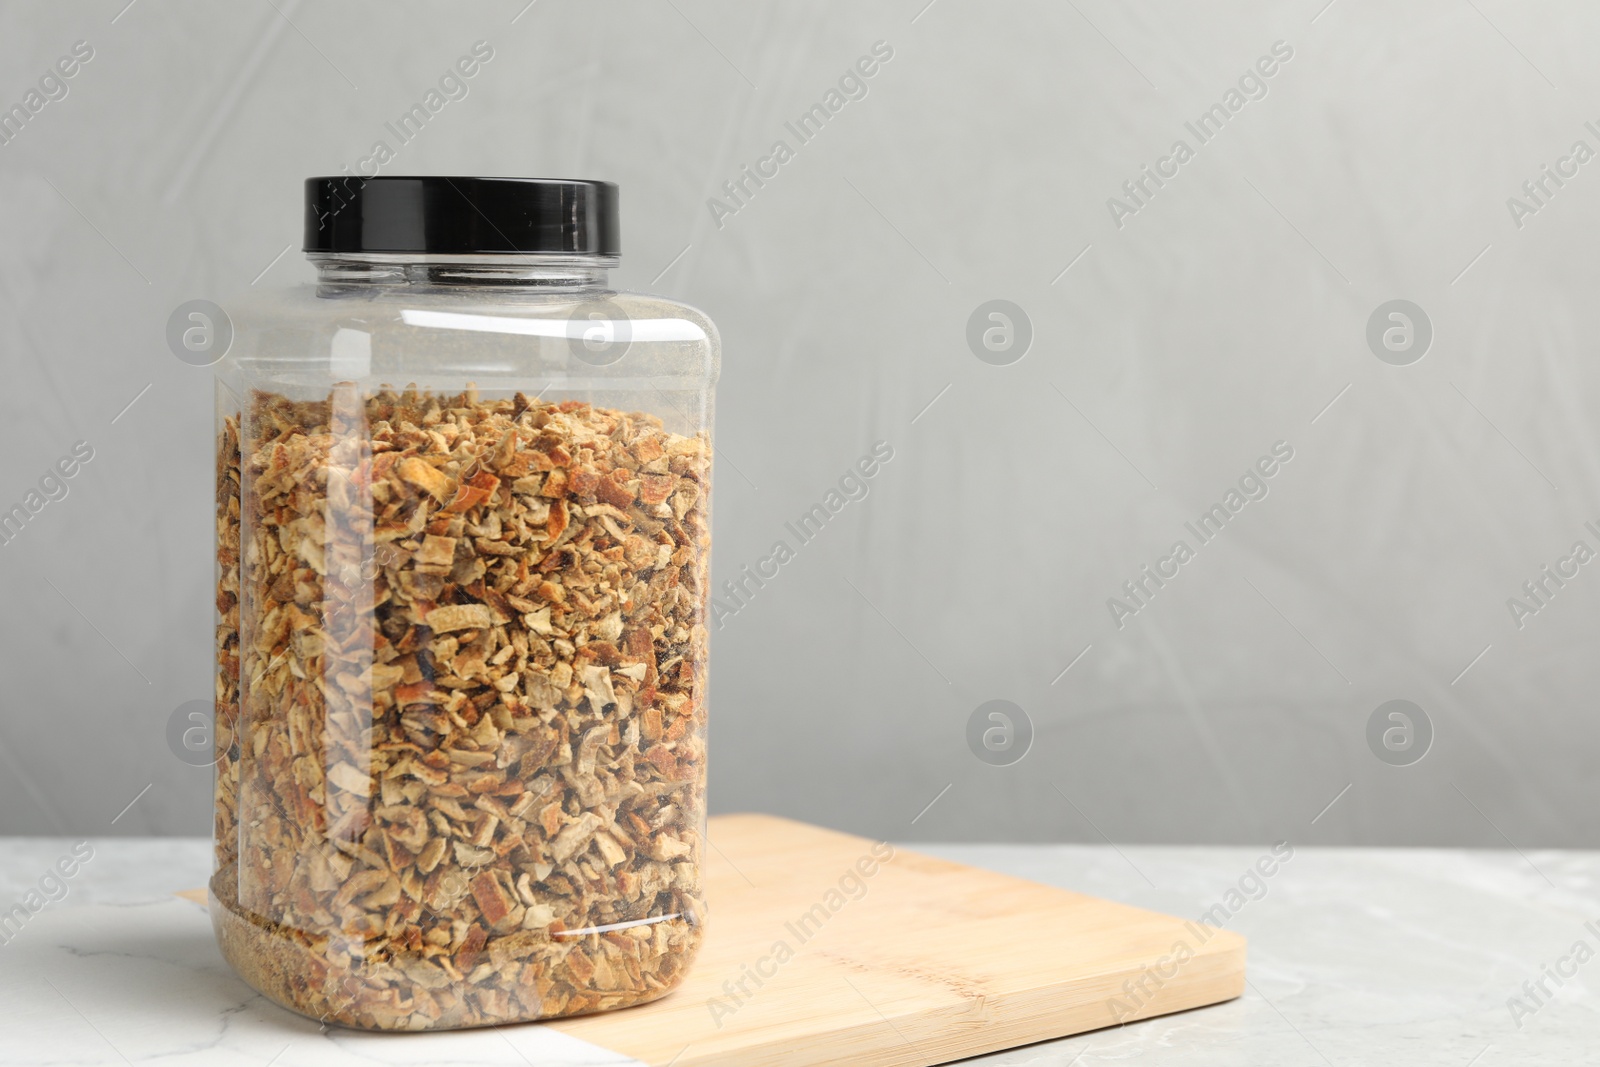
(1177, 338)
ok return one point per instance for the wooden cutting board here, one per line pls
(822, 948)
(922, 962)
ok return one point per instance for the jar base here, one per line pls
(367, 985)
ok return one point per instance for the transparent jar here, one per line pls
(463, 541)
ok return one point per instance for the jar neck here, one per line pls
(433, 269)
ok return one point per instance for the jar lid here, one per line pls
(500, 216)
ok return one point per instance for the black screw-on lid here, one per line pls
(462, 215)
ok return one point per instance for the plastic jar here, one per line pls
(463, 547)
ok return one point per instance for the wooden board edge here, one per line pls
(959, 1032)
(1213, 974)
(195, 896)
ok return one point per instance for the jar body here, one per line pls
(463, 572)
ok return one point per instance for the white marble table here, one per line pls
(1357, 956)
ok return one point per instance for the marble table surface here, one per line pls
(1357, 956)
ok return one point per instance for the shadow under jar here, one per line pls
(463, 542)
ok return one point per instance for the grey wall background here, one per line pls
(1168, 354)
